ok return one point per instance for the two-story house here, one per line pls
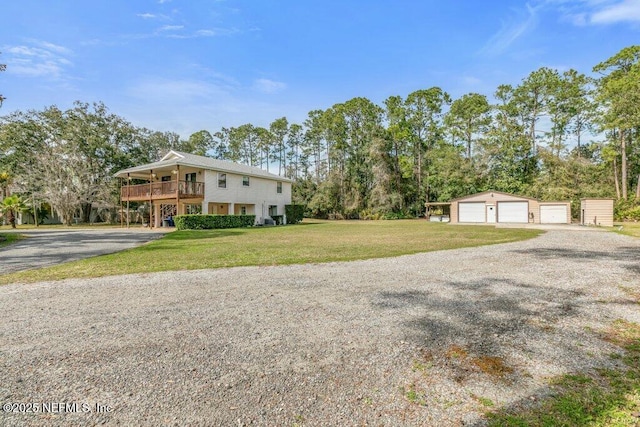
(182, 183)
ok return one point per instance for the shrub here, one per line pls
(279, 219)
(294, 213)
(208, 222)
(628, 210)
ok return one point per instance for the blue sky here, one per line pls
(187, 65)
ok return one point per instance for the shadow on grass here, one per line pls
(203, 234)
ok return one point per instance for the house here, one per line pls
(182, 183)
(596, 212)
(490, 207)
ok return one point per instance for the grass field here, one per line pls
(309, 242)
(7, 238)
(629, 228)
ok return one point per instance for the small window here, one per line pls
(193, 209)
(279, 187)
(222, 180)
(245, 181)
(273, 210)
(243, 210)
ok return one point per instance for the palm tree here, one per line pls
(10, 206)
(5, 179)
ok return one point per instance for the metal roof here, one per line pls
(174, 158)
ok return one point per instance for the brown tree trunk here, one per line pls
(638, 189)
(615, 177)
(623, 165)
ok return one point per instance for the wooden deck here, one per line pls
(162, 190)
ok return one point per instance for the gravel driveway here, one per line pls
(45, 247)
(413, 340)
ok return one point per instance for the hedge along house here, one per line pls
(492, 207)
(182, 183)
(596, 212)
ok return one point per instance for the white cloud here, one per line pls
(39, 59)
(511, 31)
(147, 15)
(217, 32)
(171, 28)
(268, 86)
(624, 11)
(596, 12)
(166, 90)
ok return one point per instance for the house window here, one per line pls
(222, 180)
(166, 178)
(243, 210)
(273, 210)
(190, 177)
(245, 181)
(279, 187)
(193, 209)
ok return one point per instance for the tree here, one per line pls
(10, 207)
(199, 143)
(467, 118)
(279, 128)
(530, 99)
(5, 180)
(619, 93)
(424, 113)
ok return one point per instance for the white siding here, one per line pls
(261, 193)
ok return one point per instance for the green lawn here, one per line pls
(628, 228)
(309, 242)
(8, 238)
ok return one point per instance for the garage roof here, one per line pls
(473, 196)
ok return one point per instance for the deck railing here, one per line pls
(163, 190)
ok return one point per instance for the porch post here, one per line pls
(177, 189)
(121, 210)
(151, 198)
(128, 190)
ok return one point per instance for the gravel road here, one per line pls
(413, 340)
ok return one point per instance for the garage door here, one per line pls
(553, 214)
(513, 212)
(471, 212)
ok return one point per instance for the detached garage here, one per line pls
(491, 207)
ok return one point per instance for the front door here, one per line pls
(491, 214)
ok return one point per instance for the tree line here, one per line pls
(554, 136)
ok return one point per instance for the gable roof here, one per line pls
(174, 158)
(494, 192)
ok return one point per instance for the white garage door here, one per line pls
(471, 212)
(513, 212)
(553, 214)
